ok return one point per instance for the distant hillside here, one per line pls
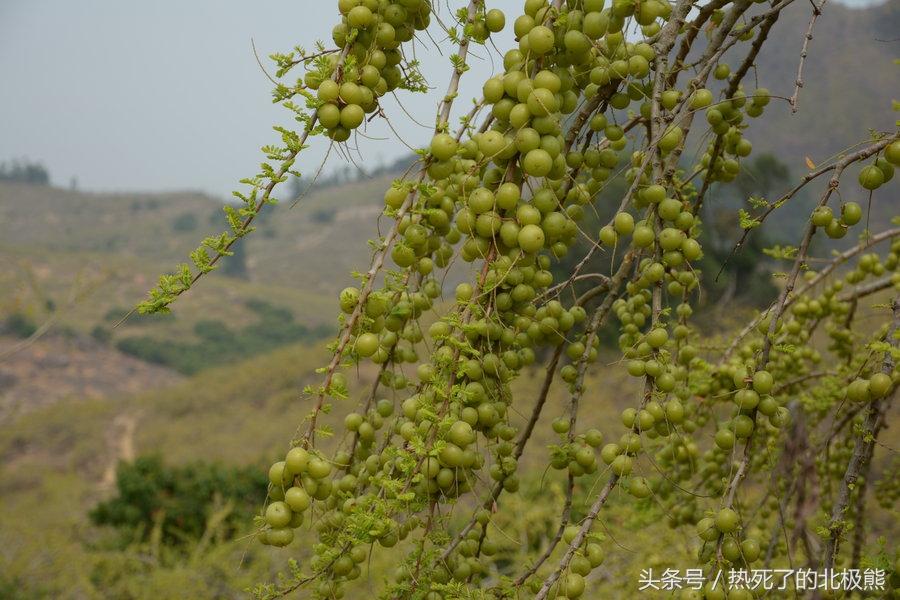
(83, 260)
(849, 80)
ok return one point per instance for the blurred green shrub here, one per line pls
(185, 222)
(218, 344)
(19, 325)
(177, 504)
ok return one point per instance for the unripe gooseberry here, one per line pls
(653, 194)
(822, 216)
(464, 292)
(724, 439)
(763, 382)
(495, 20)
(851, 213)
(643, 236)
(623, 223)
(871, 177)
(531, 238)
(880, 385)
(352, 115)
(541, 39)
(443, 146)
(671, 139)
(537, 163)
(608, 236)
(892, 153)
(278, 514)
(727, 520)
(701, 98)
(367, 344)
(858, 390)
(296, 461)
(658, 337)
(297, 499)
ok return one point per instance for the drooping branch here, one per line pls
(863, 448)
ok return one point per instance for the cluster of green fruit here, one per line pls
(295, 482)
(823, 217)
(726, 120)
(510, 197)
(372, 31)
(875, 175)
(589, 556)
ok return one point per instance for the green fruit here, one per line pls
(725, 439)
(658, 337)
(280, 537)
(297, 499)
(727, 520)
(575, 42)
(892, 153)
(761, 97)
(461, 434)
(531, 238)
(836, 230)
(623, 223)
(443, 146)
(653, 194)
(886, 168)
(691, 249)
(670, 239)
(643, 236)
(495, 20)
(608, 236)
(822, 216)
(763, 382)
(319, 469)
(277, 474)
(572, 586)
(360, 17)
(541, 39)
(329, 115)
(593, 438)
(731, 550)
(880, 385)
(537, 163)
(493, 90)
(621, 465)
(637, 487)
(278, 514)
(671, 138)
(296, 461)
(353, 421)
(595, 554)
(858, 390)
(706, 529)
(750, 550)
(464, 292)
(328, 91)
(743, 426)
(746, 399)
(367, 344)
(542, 102)
(871, 177)
(669, 209)
(507, 196)
(701, 98)
(352, 115)
(851, 213)
(560, 425)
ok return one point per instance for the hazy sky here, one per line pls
(167, 94)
